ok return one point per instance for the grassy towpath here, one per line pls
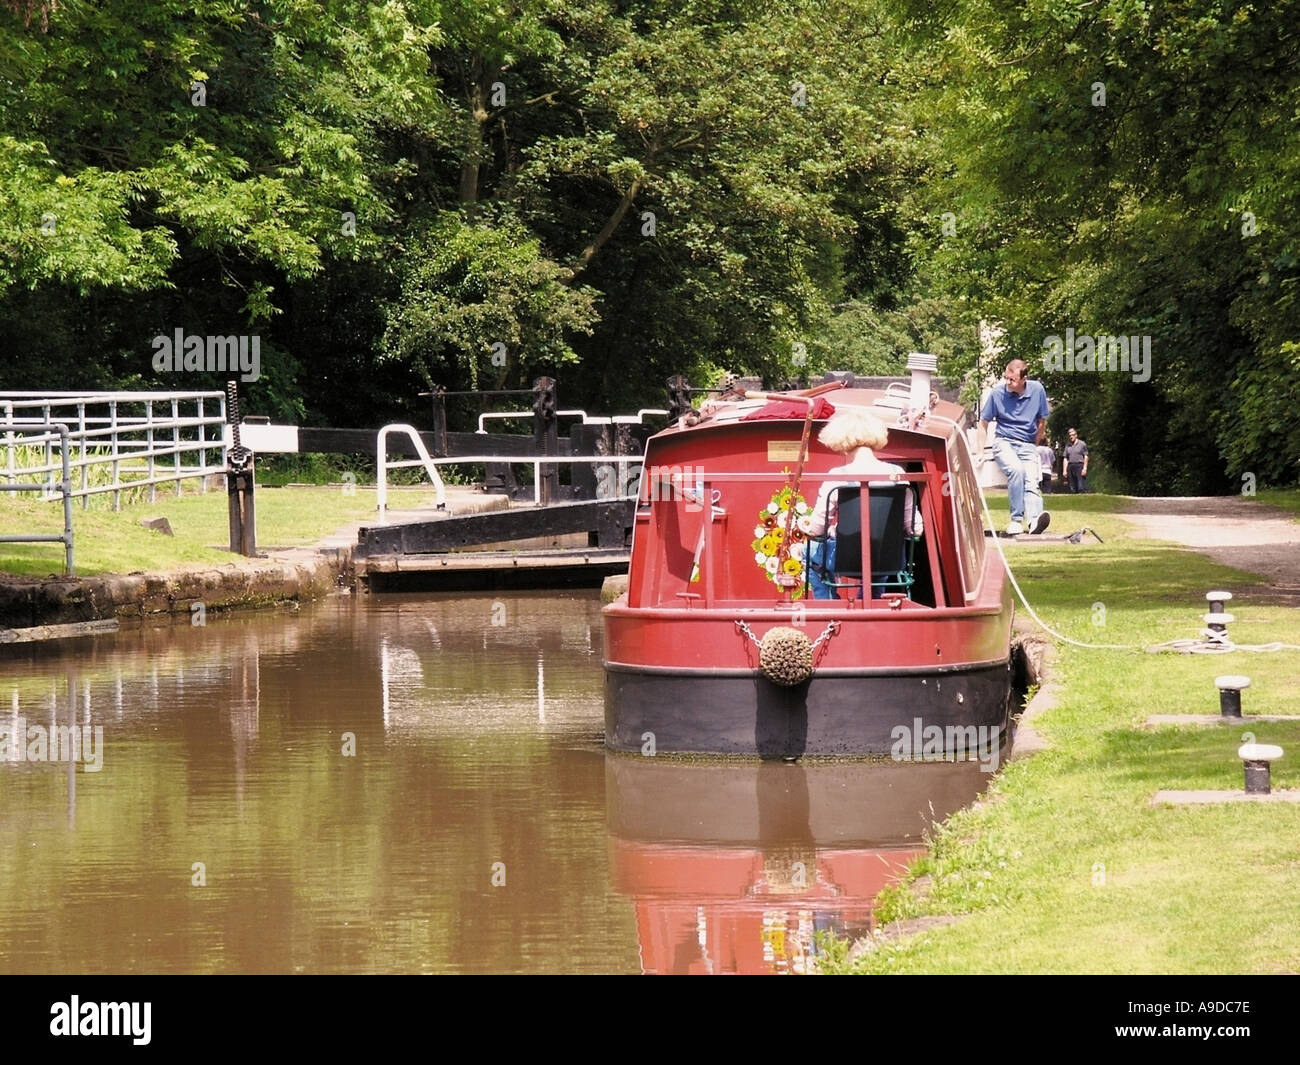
(1065, 866)
(108, 542)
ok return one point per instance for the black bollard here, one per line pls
(1257, 758)
(1230, 689)
(1218, 618)
(1216, 601)
(1258, 781)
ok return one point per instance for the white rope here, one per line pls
(997, 543)
(1217, 643)
(1219, 646)
(1012, 577)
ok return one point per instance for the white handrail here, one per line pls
(520, 415)
(624, 462)
(383, 465)
(639, 417)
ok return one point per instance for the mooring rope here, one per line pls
(1219, 645)
(1216, 643)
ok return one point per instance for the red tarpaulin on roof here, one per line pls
(788, 408)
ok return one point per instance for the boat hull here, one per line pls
(908, 714)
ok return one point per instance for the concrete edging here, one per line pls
(246, 584)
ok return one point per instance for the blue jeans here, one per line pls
(822, 553)
(1019, 462)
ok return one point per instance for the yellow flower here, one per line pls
(769, 544)
(793, 567)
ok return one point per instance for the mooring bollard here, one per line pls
(1230, 689)
(1218, 618)
(1216, 601)
(1256, 757)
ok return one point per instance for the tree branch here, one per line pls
(607, 231)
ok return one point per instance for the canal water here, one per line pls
(409, 784)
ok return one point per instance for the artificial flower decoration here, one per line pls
(769, 535)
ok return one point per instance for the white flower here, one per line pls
(760, 558)
(805, 525)
(801, 507)
(772, 564)
(798, 551)
(774, 507)
(760, 531)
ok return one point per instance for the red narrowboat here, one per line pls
(719, 645)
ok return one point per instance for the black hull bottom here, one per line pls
(907, 716)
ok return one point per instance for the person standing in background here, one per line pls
(1019, 406)
(1074, 467)
(1048, 458)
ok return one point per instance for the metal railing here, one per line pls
(384, 465)
(525, 415)
(142, 438)
(623, 463)
(45, 433)
(587, 419)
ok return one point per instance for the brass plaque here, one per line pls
(783, 451)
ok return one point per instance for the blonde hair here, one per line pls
(853, 429)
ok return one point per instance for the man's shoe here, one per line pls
(1015, 529)
(1041, 522)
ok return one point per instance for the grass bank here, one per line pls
(1286, 498)
(109, 542)
(1065, 866)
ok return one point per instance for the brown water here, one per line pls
(409, 784)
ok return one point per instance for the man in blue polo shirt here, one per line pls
(1019, 406)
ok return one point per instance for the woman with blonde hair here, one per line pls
(856, 434)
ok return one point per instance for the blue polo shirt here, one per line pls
(1017, 416)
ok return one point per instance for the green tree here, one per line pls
(178, 164)
(479, 300)
(1099, 161)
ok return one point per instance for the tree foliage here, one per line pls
(1123, 168)
(619, 190)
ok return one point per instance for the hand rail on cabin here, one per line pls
(705, 486)
(887, 478)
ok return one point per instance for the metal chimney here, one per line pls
(921, 367)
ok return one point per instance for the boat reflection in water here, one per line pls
(737, 868)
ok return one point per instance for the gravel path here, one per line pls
(1230, 530)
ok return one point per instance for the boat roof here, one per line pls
(944, 419)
